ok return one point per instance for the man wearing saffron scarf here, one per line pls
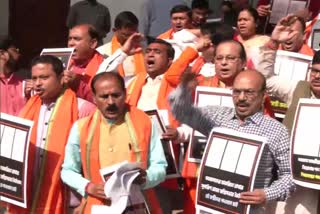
(125, 24)
(53, 110)
(180, 18)
(85, 60)
(116, 132)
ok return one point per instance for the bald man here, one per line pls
(249, 92)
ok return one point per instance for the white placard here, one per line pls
(228, 167)
(305, 144)
(206, 96)
(64, 54)
(14, 145)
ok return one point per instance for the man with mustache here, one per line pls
(249, 92)
(229, 59)
(180, 17)
(116, 132)
(53, 109)
(304, 200)
(149, 91)
(85, 60)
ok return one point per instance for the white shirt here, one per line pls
(149, 94)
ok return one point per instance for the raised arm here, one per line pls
(184, 111)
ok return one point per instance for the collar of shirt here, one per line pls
(79, 69)
(49, 106)
(208, 70)
(313, 96)
(158, 79)
(7, 80)
(255, 118)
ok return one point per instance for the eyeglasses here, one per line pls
(228, 58)
(246, 92)
(314, 71)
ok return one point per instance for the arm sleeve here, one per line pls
(182, 107)
(112, 62)
(71, 168)
(157, 163)
(281, 188)
(277, 86)
(173, 74)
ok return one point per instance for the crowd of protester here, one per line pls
(90, 115)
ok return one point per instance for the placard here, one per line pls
(281, 8)
(14, 144)
(289, 66)
(305, 144)
(64, 54)
(172, 169)
(228, 167)
(315, 39)
(206, 96)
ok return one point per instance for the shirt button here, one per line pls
(110, 149)
(46, 123)
(43, 139)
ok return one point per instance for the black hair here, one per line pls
(93, 33)
(180, 8)
(170, 49)
(316, 58)
(126, 19)
(218, 32)
(51, 60)
(227, 3)
(302, 22)
(200, 4)
(253, 12)
(6, 42)
(108, 75)
(243, 55)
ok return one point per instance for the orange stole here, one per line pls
(138, 58)
(173, 74)
(309, 27)
(166, 35)
(196, 67)
(89, 128)
(134, 91)
(49, 195)
(305, 49)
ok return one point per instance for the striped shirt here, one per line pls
(275, 155)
